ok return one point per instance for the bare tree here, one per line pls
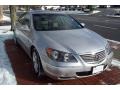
(13, 16)
(1, 12)
(27, 7)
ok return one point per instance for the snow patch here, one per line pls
(108, 69)
(116, 63)
(95, 11)
(4, 28)
(6, 18)
(7, 75)
(113, 41)
(117, 16)
(49, 83)
(74, 12)
(102, 82)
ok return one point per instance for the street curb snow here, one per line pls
(116, 62)
(113, 41)
(115, 16)
(6, 18)
(95, 12)
(7, 76)
(81, 12)
(92, 13)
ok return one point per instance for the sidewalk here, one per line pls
(7, 76)
(6, 73)
(5, 24)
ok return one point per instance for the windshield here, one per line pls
(50, 22)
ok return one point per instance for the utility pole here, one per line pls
(13, 16)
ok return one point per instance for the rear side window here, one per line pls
(50, 22)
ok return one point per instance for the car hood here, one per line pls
(75, 41)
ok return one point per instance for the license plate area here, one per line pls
(97, 69)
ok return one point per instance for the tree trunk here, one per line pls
(91, 7)
(1, 12)
(13, 16)
(27, 7)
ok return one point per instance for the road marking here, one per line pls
(105, 27)
(107, 20)
(115, 21)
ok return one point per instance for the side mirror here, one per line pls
(83, 24)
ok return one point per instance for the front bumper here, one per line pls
(73, 72)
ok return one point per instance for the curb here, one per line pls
(115, 16)
(113, 41)
(116, 62)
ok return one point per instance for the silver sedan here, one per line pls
(60, 46)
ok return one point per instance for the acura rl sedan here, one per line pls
(60, 46)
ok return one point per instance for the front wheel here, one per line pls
(37, 63)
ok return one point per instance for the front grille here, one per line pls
(97, 57)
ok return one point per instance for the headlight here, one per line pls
(108, 49)
(60, 56)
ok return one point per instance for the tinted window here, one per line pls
(48, 22)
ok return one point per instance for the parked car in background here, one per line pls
(60, 46)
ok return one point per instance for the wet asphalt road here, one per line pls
(108, 27)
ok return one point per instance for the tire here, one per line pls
(38, 69)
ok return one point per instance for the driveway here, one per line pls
(23, 70)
